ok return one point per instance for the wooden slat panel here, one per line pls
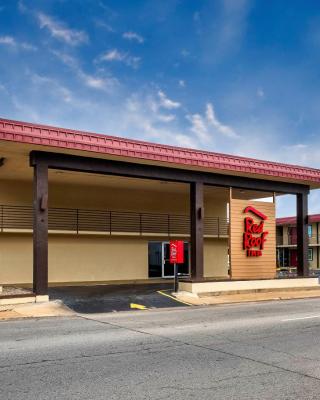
(243, 267)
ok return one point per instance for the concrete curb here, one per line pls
(248, 297)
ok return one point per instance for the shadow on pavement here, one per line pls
(112, 298)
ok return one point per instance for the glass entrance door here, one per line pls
(159, 261)
(168, 268)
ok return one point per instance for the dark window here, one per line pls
(155, 259)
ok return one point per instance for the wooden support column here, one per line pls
(40, 229)
(196, 219)
(318, 245)
(302, 234)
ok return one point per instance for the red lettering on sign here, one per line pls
(176, 251)
(252, 243)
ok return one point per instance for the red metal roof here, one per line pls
(293, 220)
(24, 132)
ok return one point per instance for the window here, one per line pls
(310, 254)
(310, 231)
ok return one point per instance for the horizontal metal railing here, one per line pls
(292, 240)
(111, 222)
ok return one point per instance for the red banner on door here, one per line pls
(176, 251)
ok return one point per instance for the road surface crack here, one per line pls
(247, 358)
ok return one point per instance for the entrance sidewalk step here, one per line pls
(249, 297)
(247, 291)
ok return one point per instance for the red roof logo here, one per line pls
(256, 212)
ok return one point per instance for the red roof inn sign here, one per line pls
(254, 237)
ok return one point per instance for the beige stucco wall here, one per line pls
(216, 258)
(75, 258)
(15, 258)
(93, 258)
(313, 263)
(285, 235)
(166, 200)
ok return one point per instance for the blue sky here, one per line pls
(233, 76)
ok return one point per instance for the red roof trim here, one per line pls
(24, 132)
(293, 220)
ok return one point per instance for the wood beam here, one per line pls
(196, 229)
(302, 234)
(134, 170)
(40, 229)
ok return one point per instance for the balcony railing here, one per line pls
(76, 221)
(291, 240)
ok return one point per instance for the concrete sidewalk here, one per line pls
(54, 308)
(246, 297)
(58, 308)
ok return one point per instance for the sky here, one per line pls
(233, 76)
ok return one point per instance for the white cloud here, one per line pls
(166, 117)
(22, 7)
(165, 102)
(157, 105)
(199, 127)
(66, 59)
(196, 16)
(54, 85)
(115, 55)
(141, 116)
(8, 40)
(260, 93)
(3, 88)
(104, 25)
(28, 47)
(13, 43)
(206, 126)
(185, 53)
(133, 36)
(222, 27)
(219, 126)
(59, 31)
(105, 84)
(298, 146)
(91, 81)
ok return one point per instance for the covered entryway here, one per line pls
(46, 212)
(42, 162)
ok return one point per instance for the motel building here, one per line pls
(78, 208)
(286, 236)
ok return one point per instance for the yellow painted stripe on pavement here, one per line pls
(138, 306)
(173, 298)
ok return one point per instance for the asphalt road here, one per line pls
(259, 351)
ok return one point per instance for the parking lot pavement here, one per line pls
(112, 298)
